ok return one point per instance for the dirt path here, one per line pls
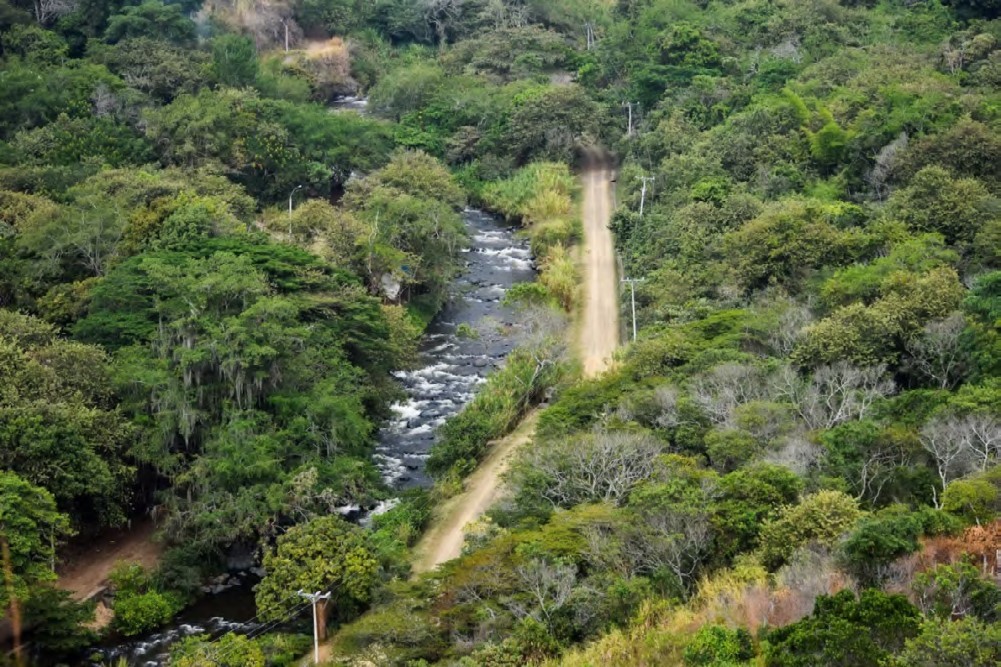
(87, 570)
(444, 540)
(599, 331)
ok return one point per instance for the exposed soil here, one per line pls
(443, 541)
(86, 568)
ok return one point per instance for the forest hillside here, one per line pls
(214, 273)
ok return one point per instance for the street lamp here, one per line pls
(290, 195)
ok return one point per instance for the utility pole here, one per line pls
(629, 127)
(285, 23)
(294, 190)
(314, 598)
(632, 287)
(589, 35)
(645, 179)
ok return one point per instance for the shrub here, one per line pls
(716, 646)
(138, 613)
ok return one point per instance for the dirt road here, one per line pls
(443, 541)
(88, 569)
(599, 332)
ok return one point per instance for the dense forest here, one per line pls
(207, 277)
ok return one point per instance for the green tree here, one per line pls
(234, 61)
(717, 646)
(966, 642)
(935, 201)
(152, 18)
(551, 124)
(59, 624)
(325, 554)
(822, 518)
(748, 498)
(843, 630)
(31, 526)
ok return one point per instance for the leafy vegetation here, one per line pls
(206, 277)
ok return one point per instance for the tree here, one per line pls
(590, 468)
(748, 498)
(325, 554)
(956, 591)
(835, 393)
(151, 19)
(962, 443)
(879, 540)
(60, 625)
(974, 498)
(967, 642)
(234, 61)
(939, 353)
(843, 630)
(822, 518)
(936, 202)
(31, 526)
(551, 124)
(719, 646)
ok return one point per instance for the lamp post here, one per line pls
(290, 195)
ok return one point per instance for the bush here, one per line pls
(138, 613)
(716, 646)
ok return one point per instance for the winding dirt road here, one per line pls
(599, 337)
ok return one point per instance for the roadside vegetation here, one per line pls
(794, 464)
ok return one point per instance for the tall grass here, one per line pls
(541, 198)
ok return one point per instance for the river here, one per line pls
(461, 346)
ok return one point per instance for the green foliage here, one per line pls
(325, 554)
(59, 623)
(230, 650)
(234, 61)
(822, 518)
(956, 591)
(151, 19)
(139, 604)
(717, 646)
(966, 642)
(845, 630)
(879, 540)
(140, 612)
(30, 525)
